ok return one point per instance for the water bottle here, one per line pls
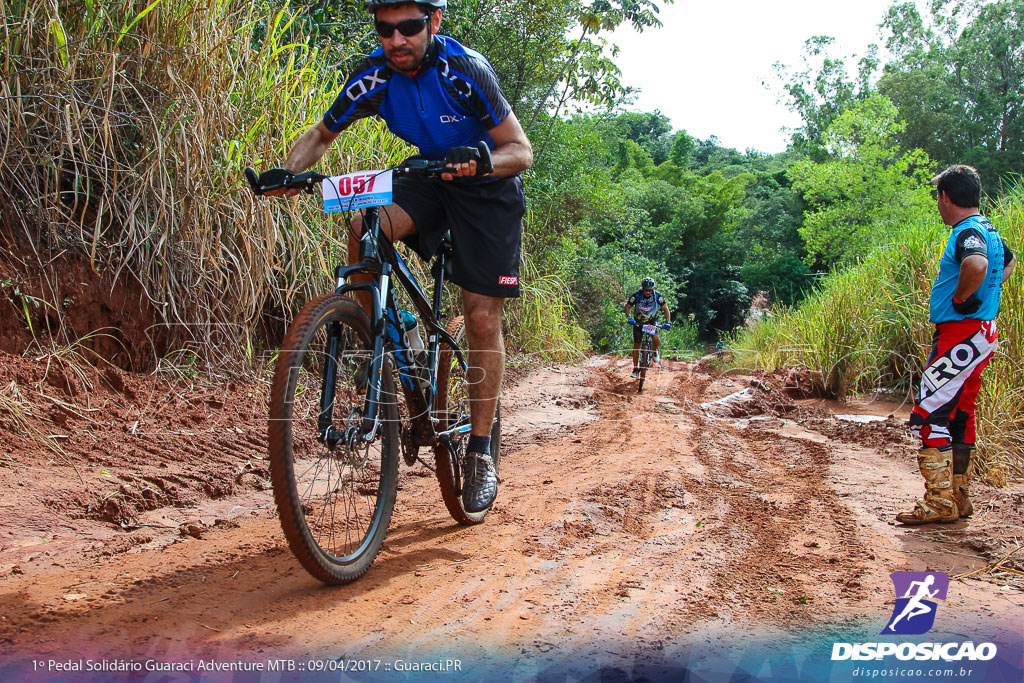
(417, 356)
(412, 332)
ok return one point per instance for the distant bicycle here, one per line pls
(337, 420)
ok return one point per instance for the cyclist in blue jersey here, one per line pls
(444, 98)
(648, 303)
(963, 306)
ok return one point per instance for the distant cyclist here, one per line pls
(647, 302)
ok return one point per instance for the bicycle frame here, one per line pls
(646, 351)
(379, 259)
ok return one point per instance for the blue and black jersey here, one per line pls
(973, 235)
(645, 309)
(452, 101)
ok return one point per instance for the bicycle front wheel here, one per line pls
(334, 491)
(645, 362)
(451, 406)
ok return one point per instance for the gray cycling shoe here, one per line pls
(479, 482)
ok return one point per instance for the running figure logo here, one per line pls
(915, 608)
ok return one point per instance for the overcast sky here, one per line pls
(707, 67)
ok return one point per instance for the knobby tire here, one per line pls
(335, 504)
(645, 361)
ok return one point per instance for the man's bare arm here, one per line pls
(972, 275)
(512, 153)
(310, 148)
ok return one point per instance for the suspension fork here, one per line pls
(369, 263)
(325, 427)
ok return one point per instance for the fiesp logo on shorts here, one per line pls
(511, 280)
(914, 614)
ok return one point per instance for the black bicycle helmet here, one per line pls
(434, 4)
(647, 283)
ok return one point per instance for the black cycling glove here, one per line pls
(970, 305)
(481, 154)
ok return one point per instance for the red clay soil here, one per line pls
(137, 523)
(61, 302)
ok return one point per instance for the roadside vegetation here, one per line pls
(865, 330)
(126, 126)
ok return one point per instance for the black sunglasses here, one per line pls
(408, 28)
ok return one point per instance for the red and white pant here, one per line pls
(946, 400)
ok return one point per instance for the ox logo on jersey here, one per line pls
(460, 85)
(452, 118)
(950, 364)
(508, 280)
(364, 85)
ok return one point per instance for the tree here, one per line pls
(822, 89)
(867, 184)
(652, 131)
(958, 81)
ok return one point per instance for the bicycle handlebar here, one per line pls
(281, 178)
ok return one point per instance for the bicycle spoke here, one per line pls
(334, 500)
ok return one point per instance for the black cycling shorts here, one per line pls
(486, 221)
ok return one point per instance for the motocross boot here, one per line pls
(938, 505)
(963, 463)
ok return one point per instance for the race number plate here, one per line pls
(357, 190)
(651, 329)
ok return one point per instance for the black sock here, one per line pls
(479, 444)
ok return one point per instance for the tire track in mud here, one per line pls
(632, 534)
(734, 513)
(786, 534)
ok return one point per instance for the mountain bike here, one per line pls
(646, 351)
(338, 418)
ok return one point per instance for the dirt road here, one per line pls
(710, 524)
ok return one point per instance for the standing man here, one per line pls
(647, 302)
(444, 98)
(963, 306)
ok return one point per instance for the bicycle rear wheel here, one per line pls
(334, 496)
(451, 406)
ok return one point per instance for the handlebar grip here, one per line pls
(253, 178)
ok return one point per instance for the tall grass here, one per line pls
(542, 320)
(866, 329)
(1001, 400)
(125, 127)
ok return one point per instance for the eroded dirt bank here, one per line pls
(629, 529)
